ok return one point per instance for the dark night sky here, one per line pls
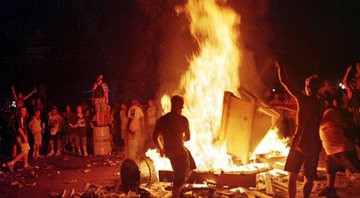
(82, 38)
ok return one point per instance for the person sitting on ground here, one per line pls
(22, 139)
(306, 144)
(171, 131)
(36, 130)
(56, 123)
(340, 151)
(19, 98)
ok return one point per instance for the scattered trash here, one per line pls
(54, 194)
(31, 184)
(86, 186)
(37, 167)
(88, 165)
(86, 170)
(73, 181)
(58, 172)
(16, 184)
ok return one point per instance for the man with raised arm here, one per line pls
(306, 144)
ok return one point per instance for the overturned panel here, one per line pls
(245, 122)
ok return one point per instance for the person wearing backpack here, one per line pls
(100, 99)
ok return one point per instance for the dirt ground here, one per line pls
(55, 174)
(52, 175)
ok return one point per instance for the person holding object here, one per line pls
(306, 145)
(171, 131)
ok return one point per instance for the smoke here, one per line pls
(171, 41)
(174, 44)
(255, 32)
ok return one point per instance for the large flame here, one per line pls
(213, 69)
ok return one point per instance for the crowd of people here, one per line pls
(324, 118)
(317, 117)
(46, 131)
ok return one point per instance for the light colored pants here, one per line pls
(134, 149)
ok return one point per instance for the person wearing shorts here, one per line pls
(80, 124)
(22, 139)
(171, 130)
(36, 129)
(100, 99)
(306, 144)
(340, 151)
(56, 123)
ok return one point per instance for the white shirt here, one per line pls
(332, 134)
(135, 114)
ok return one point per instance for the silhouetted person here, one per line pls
(19, 98)
(22, 140)
(170, 132)
(306, 144)
(101, 99)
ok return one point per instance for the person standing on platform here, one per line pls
(100, 100)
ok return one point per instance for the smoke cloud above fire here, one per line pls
(173, 44)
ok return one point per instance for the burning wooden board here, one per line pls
(219, 179)
(245, 122)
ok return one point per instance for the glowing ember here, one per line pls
(271, 143)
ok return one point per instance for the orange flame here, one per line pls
(213, 69)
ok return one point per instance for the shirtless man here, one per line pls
(306, 144)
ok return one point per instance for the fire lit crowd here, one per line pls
(318, 117)
(41, 130)
(324, 118)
